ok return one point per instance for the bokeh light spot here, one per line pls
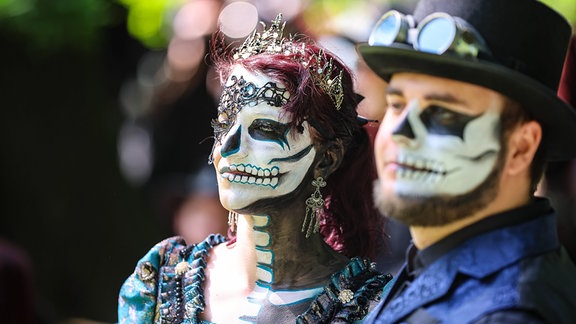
(238, 19)
(196, 19)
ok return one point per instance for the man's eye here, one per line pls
(443, 116)
(395, 104)
(443, 121)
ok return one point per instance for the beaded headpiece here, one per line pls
(240, 93)
(272, 41)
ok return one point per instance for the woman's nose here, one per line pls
(231, 143)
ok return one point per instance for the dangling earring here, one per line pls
(314, 206)
(232, 220)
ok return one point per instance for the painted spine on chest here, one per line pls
(263, 295)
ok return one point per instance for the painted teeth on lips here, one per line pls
(250, 174)
(421, 165)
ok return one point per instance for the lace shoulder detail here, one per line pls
(180, 286)
(347, 297)
(137, 298)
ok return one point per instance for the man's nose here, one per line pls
(404, 129)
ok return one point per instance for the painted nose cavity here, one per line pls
(404, 129)
(231, 143)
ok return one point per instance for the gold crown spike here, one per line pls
(268, 42)
(272, 41)
(322, 74)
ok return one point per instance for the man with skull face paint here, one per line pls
(294, 167)
(472, 117)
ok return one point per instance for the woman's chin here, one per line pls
(234, 201)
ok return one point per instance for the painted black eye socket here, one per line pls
(442, 121)
(443, 116)
(269, 130)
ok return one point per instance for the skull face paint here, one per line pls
(256, 154)
(455, 152)
(438, 138)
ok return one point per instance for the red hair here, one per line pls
(349, 222)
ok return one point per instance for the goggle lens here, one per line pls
(436, 36)
(386, 30)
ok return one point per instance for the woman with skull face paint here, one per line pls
(295, 170)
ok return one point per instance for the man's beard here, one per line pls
(414, 210)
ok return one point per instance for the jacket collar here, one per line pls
(502, 247)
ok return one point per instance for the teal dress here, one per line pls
(167, 287)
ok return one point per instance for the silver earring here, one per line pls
(232, 220)
(314, 205)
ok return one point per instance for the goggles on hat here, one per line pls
(437, 33)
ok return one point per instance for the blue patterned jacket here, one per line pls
(516, 268)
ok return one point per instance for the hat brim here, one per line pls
(558, 118)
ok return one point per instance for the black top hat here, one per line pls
(528, 43)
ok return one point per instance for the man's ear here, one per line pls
(330, 159)
(523, 144)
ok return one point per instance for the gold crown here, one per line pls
(322, 72)
(268, 42)
(272, 41)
